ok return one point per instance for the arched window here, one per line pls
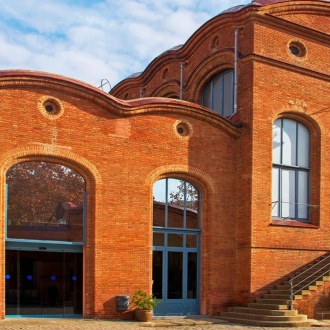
(219, 93)
(176, 204)
(45, 201)
(290, 170)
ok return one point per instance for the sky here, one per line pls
(97, 40)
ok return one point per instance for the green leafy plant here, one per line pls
(144, 301)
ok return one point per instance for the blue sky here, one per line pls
(95, 40)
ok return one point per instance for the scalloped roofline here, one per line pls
(121, 108)
(235, 9)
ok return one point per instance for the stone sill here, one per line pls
(292, 223)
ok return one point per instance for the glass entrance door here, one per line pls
(176, 273)
(43, 283)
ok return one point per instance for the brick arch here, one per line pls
(65, 157)
(167, 89)
(313, 125)
(193, 175)
(206, 70)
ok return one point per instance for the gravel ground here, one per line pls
(181, 324)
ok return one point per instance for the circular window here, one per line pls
(297, 49)
(50, 107)
(183, 129)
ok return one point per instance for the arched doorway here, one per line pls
(176, 246)
(45, 233)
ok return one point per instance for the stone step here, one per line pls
(264, 317)
(287, 287)
(276, 295)
(273, 301)
(263, 311)
(272, 309)
(281, 292)
(306, 323)
(267, 306)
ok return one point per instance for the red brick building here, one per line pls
(237, 171)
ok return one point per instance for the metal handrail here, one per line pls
(292, 286)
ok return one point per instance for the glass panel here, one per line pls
(159, 202)
(174, 275)
(45, 202)
(12, 283)
(192, 205)
(43, 283)
(191, 241)
(303, 146)
(228, 98)
(175, 240)
(157, 274)
(275, 193)
(289, 142)
(73, 283)
(192, 276)
(288, 194)
(176, 203)
(217, 94)
(207, 97)
(302, 195)
(52, 286)
(158, 239)
(277, 141)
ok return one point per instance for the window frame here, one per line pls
(167, 205)
(211, 89)
(296, 169)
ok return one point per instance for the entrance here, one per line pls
(43, 283)
(176, 242)
(175, 274)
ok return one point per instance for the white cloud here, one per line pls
(90, 40)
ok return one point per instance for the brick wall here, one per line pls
(121, 149)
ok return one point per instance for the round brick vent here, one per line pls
(298, 49)
(183, 129)
(50, 107)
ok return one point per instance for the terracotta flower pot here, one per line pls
(143, 315)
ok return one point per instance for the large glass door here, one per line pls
(43, 283)
(176, 274)
(176, 245)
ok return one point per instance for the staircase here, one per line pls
(273, 309)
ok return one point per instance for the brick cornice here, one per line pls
(286, 66)
(137, 107)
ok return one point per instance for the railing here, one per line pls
(310, 207)
(293, 286)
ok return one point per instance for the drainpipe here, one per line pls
(181, 79)
(142, 89)
(235, 69)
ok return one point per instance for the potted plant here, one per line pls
(144, 303)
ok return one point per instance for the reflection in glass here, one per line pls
(45, 202)
(158, 239)
(191, 241)
(192, 275)
(219, 93)
(290, 180)
(159, 202)
(175, 240)
(174, 275)
(50, 290)
(176, 204)
(157, 274)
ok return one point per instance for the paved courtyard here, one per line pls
(172, 323)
